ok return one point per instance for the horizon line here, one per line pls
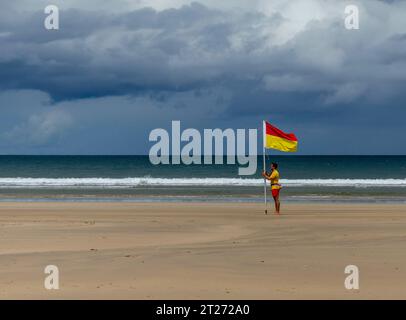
(146, 155)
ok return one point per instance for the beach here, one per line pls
(160, 250)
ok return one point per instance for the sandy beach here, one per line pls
(201, 251)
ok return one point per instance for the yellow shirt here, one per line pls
(274, 177)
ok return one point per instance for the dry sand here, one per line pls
(201, 251)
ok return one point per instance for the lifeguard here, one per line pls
(275, 185)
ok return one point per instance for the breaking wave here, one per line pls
(148, 181)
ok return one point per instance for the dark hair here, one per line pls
(275, 165)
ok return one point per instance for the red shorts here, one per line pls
(275, 192)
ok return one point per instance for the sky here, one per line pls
(115, 70)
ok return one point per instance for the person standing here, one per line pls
(273, 177)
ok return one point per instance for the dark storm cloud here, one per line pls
(95, 54)
(98, 54)
(228, 65)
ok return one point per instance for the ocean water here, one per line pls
(134, 178)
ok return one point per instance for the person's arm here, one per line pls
(273, 175)
(265, 175)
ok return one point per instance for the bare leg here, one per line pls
(277, 204)
(275, 199)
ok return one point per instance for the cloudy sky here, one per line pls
(118, 69)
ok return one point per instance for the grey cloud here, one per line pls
(40, 129)
(106, 125)
(204, 63)
(97, 54)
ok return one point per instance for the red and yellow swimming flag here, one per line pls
(275, 138)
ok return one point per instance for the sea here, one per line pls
(135, 179)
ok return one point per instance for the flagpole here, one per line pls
(263, 154)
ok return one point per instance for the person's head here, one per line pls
(274, 166)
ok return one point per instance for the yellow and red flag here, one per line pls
(275, 138)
